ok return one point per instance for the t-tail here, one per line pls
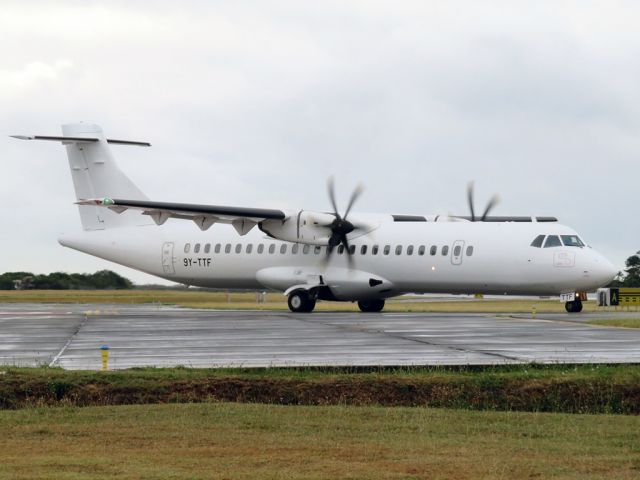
(95, 174)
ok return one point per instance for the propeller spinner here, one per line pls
(341, 227)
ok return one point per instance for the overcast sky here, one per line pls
(257, 103)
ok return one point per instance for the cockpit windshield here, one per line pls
(555, 241)
(571, 241)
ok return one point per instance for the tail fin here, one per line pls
(95, 174)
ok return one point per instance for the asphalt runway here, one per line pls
(70, 336)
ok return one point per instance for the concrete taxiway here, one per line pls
(70, 336)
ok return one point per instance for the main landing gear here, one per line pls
(303, 301)
(371, 305)
(300, 301)
(574, 306)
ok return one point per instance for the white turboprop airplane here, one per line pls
(312, 255)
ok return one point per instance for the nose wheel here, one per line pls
(573, 307)
(300, 301)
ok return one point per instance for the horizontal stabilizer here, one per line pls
(68, 140)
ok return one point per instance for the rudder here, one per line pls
(95, 174)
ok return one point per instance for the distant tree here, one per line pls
(7, 279)
(104, 279)
(109, 279)
(633, 272)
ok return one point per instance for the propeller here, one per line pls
(490, 205)
(340, 227)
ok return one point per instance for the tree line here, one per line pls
(632, 277)
(104, 279)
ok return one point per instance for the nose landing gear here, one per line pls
(573, 301)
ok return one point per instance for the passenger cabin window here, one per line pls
(399, 250)
(457, 250)
(294, 248)
(218, 247)
(317, 249)
(249, 247)
(469, 250)
(552, 241)
(227, 248)
(363, 250)
(196, 249)
(272, 248)
(433, 250)
(571, 241)
(537, 242)
(187, 247)
(410, 250)
(283, 248)
(374, 250)
(387, 249)
(260, 248)
(341, 249)
(421, 250)
(207, 248)
(305, 249)
(445, 250)
(352, 249)
(238, 248)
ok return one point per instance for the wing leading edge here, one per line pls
(243, 219)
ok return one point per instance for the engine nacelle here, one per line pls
(302, 227)
(331, 283)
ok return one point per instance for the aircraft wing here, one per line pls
(243, 219)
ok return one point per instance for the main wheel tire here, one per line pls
(301, 302)
(371, 305)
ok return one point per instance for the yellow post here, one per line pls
(533, 311)
(104, 350)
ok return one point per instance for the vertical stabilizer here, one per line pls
(95, 174)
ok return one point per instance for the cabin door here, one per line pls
(456, 252)
(167, 258)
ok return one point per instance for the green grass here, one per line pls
(275, 301)
(617, 322)
(555, 388)
(248, 441)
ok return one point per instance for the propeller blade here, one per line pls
(492, 203)
(332, 195)
(335, 240)
(354, 196)
(470, 200)
(347, 251)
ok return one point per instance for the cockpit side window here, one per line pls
(537, 242)
(571, 241)
(552, 241)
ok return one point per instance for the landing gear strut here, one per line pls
(371, 305)
(300, 301)
(573, 307)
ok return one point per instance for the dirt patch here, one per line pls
(483, 393)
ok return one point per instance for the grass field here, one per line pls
(246, 441)
(617, 322)
(276, 301)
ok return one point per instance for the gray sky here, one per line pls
(257, 103)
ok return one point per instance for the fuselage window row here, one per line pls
(552, 241)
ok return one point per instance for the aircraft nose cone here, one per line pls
(604, 270)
